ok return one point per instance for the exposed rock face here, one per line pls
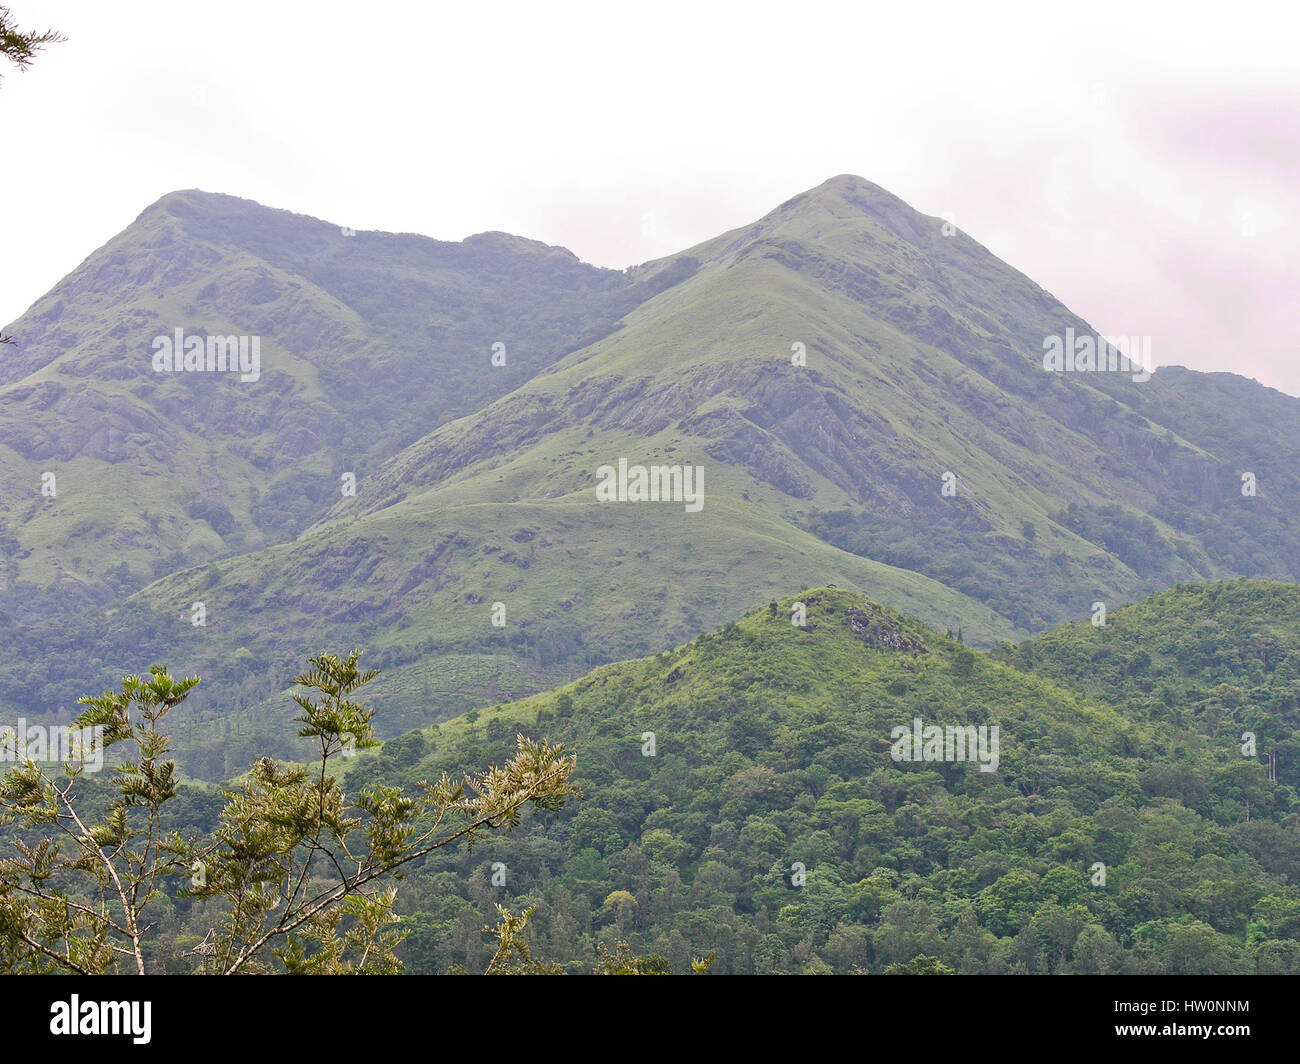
(878, 630)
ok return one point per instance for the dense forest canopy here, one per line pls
(741, 798)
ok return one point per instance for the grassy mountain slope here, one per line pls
(367, 341)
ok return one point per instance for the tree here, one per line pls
(44, 927)
(21, 48)
(920, 965)
(514, 956)
(623, 961)
(623, 906)
(298, 874)
(963, 662)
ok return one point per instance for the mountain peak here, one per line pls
(185, 201)
(842, 184)
(844, 188)
(847, 199)
(496, 240)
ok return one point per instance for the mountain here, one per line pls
(365, 341)
(746, 794)
(863, 388)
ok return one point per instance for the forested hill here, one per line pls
(1215, 659)
(772, 765)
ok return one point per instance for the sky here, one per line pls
(1141, 165)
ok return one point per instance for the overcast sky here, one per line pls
(1141, 166)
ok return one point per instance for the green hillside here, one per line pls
(772, 757)
(1217, 659)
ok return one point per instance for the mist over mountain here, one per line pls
(415, 467)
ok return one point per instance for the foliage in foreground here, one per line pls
(296, 877)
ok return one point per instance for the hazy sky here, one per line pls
(1140, 165)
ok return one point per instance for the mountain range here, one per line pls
(415, 468)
